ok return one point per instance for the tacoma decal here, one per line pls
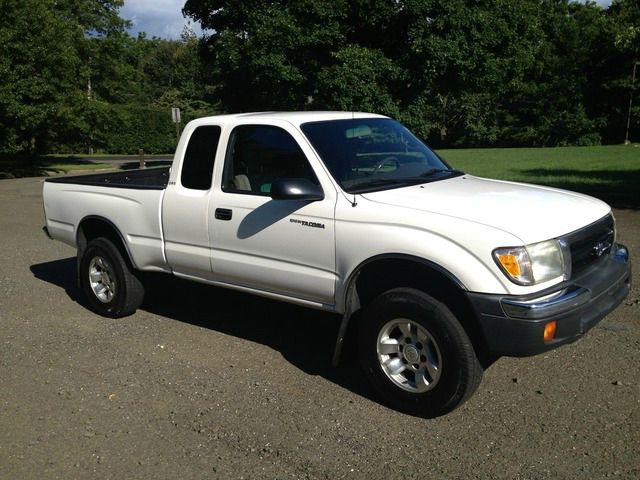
(304, 223)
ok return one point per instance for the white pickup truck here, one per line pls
(439, 272)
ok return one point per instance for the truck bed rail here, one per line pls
(146, 179)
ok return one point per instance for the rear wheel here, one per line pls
(111, 287)
(416, 354)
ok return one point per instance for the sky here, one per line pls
(163, 18)
(159, 18)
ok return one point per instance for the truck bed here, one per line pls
(129, 201)
(145, 179)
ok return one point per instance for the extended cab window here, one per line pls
(259, 154)
(197, 167)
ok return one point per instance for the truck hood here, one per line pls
(530, 212)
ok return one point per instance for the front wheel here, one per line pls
(107, 281)
(416, 353)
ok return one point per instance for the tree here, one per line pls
(549, 106)
(36, 73)
(458, 72)
(268, 54)
(533, 72)
(42, 43)
(623, 50)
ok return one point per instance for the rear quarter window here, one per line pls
(197, 166)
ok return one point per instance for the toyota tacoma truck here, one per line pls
(436, 272)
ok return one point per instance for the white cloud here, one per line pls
(159, 18)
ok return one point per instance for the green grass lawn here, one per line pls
(611, 173)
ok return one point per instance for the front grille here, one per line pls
(590, 244)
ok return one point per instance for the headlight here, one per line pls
(534, 263)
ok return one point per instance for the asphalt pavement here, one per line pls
(207, 383)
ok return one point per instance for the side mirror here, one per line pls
(295, 189)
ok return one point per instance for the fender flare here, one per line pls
(352, 300)
(82, 245)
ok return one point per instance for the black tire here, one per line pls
(446, 371)
(115, 291)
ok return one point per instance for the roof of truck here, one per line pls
(296, 118)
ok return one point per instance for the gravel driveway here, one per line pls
(208, 383)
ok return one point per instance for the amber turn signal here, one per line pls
(550, 330)
(510, 263)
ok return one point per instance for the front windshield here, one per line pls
(370, 154)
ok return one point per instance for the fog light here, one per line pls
(550, 331)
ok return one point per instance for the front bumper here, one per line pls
(514, 325)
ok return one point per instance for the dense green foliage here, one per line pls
(458, 72)
(72, 79)
(497, 72)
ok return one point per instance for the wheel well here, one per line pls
(92, 228)
(378, 276)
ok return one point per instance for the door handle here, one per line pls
(223, 214)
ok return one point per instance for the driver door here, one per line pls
(280, 246)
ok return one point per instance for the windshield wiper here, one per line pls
(385, 182)
(424, 177)
(432, 171)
